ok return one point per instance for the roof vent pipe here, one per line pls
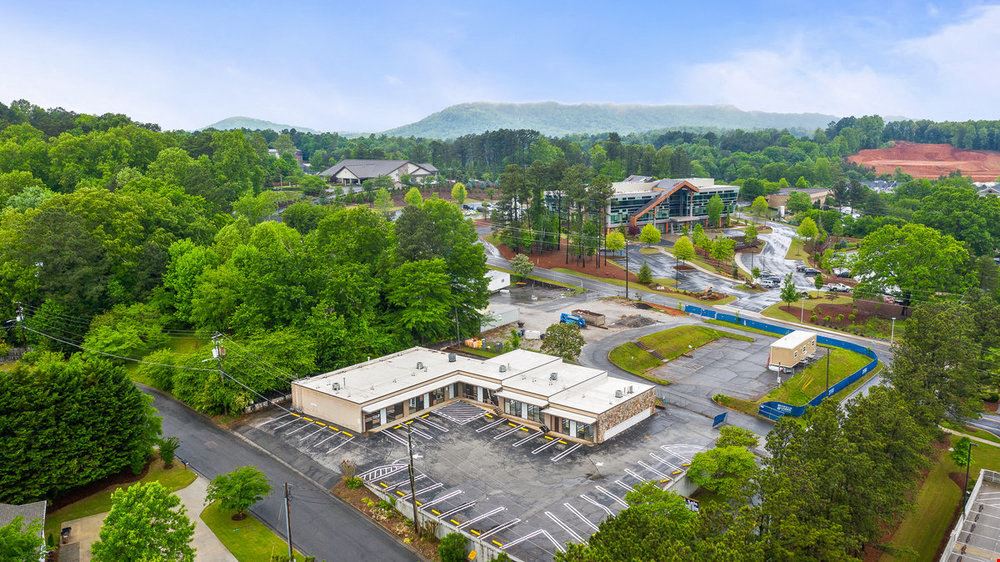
(618, 394)
(452, 358)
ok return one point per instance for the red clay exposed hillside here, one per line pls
(930, 160)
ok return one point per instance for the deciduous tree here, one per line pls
(563, 340)
(649, 234)
(146, 522)
(238, 490)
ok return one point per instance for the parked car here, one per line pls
(838, 288)
(769, 282)
(811, 271)
(842, 272)
(800, 267)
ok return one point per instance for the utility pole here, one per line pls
(892, 332)
(288, 522)
(218, 352)
(458, 337)
(19, 318)
(413, 488)
(828, 371)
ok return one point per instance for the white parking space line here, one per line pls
(286, 423)
(498, 528)
(566, 453)
(380, 472)
(275, 419)
(483, 516)
(632, 473)
(416, 430)
(526, 439)
(455, 510)
(391, 435)
(508, 432)
(612, 496)
(346, 441)
(574, 511)
(434, 425)
(430, 488)
(564, 526)
(532, 535)
(491, 425)
(294, 431)
(440, 499)
(653, 470)
(591, 500)
(624, 485)
(395, 485)
(545, 446)
(311, 434)
(664, 461)
(325, 440)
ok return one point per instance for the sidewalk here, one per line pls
(971, 437)
(207, 546)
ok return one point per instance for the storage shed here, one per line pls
(791, 350)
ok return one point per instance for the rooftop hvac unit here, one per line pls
(452, 358)
(554, 376)
(631, 389)
(618, 394)
(420, 365)
(335, 386)
(503, 368)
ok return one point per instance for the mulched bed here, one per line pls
(557, 258)
(862, 309)
(391, 521)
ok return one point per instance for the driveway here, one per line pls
(322, 525)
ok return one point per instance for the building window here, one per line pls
(394, 412)
(512, 407)
(469, 391)
(417, 403)
(564, 426)
(534, 413)
(584, 431)
(373, 420)
(438, 395)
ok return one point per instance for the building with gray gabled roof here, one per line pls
(354, 171)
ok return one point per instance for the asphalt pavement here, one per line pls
(322, 525)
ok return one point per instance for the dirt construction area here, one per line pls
(930, 160)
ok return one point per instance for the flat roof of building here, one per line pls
(551, 378)
(599, 396)
(384, 376)
(794, 339)
(523, 375)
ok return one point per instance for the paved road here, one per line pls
(322, 525)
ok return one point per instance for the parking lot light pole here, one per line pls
(413, 488)
(626, 269)
(968, 463)
(892, 331)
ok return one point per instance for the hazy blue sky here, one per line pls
(365, 66)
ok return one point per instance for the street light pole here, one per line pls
(968, 463)
(892, 331)
(626, 269)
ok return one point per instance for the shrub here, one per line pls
(645, 275)
(840, 318)
(452, 548)
(852, 317)
(826, 319)
(354, 482)
(348, 469)
(812, 317)
(168, 447)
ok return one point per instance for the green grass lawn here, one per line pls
(933, 513)
(478, 352)
(248, 540)
(173, 478)
(649, 250)
(809, 382)
(179, 344)
(742, 327)
(575, 288)
(797, 251)
(635, 360)
(674, 342)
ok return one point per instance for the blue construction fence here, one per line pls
(775, 409)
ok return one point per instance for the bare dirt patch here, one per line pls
(862, 310)
(367, 503)
(930, 160)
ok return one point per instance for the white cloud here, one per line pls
(951, 73)
(795, 79)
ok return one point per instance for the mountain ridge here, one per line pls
(557, 119)
(253, 124)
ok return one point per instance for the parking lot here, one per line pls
(733, 367)
(510, 486)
